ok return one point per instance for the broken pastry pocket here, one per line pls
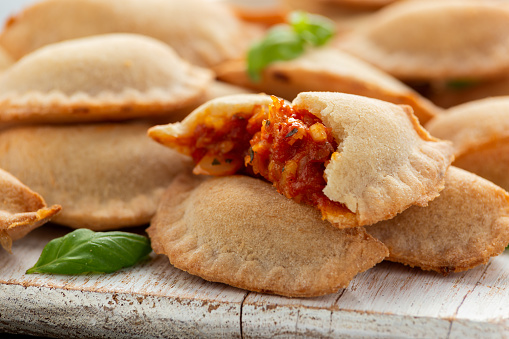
(239, 231)
(100, 78)
(462, 228)
(479, 131)
(204, 33)
(21, 210)
(105, 176)
(358, 160)
(435, 40)
(328, 69)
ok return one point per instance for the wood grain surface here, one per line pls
(154, 299)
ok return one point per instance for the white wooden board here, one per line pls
(155, 299)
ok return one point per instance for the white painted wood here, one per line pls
(278, 317)
(393, 301)
(156, 300)
(153, 299)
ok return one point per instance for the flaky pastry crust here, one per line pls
(461, 229)
(21, 210)
(105, 176)
(239, 231)
(385, 161)
(100, 78)
(328, 69)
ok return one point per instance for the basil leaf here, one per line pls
(315, 29)
(286, 42)
(86, 251)
(280, 43)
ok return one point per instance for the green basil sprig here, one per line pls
(85, 251)
(280, 43)
(288, 41)
(315, 29)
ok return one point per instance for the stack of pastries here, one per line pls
(134, 113)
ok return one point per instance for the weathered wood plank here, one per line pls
(155, 299)
(391, 301)
(276, 317)
(150, 300)
(485, 309)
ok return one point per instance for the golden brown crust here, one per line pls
(434, 39)
(385, 160)
(105, 176)
(328, 69)
(462, 228)
(210, 113)
(240, 231)
(21, 210)
(101, 78)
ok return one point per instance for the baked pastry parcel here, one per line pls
(462, 228)
(105, 176)
(328, 69)
(435, 40)
(21, 210)
(358, 160)
(209, 228)
(203, 32)
(107, 77)
(479, 131)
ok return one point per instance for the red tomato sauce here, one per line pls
(290, 148)
(220, 150)
(291, 151)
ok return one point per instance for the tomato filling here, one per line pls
(288, 147)
(220, 146)
(291, 150)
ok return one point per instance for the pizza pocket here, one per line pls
(358, 160)
(328, 69)
(105, 176)
(462, 228)
(239, 231)
(435, 40)
(101, 78)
